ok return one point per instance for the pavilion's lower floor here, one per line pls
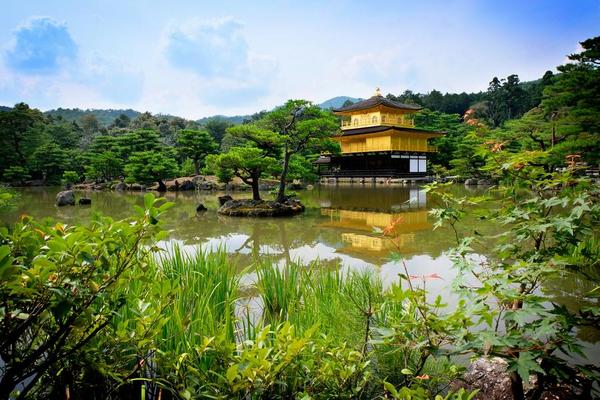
(392, 164)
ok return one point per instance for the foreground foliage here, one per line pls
(58, 286)
(549, 232)
(93, 312)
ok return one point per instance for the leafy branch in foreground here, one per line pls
(547, 224)
(58, 286)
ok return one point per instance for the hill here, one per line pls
(236, 119)
(105, 117)
(337, 102)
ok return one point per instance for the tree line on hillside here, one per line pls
(557, 112)
(43, 147)
(505, 99)
(280, 144)
(104, 117)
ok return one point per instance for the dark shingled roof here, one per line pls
(381, 128)
(376, 101)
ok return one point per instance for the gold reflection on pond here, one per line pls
(362, 238)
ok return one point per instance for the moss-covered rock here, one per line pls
(261, 208)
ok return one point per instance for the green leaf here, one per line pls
(231, 373)
(148, 200)
(390, 388)
(525, 364)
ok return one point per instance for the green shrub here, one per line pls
(15, 174)
(59, 291)
(70, 177)
(187, 168)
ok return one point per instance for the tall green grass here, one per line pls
(203, 304)
(280, 289)
(202, 323)
(312, 295)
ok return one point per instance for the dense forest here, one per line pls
(105, 145)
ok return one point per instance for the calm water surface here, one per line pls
(337, 229)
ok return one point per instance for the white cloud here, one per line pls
(40, 46)
(215, 48)
(113, 80)
(44, 67)
(217, 56)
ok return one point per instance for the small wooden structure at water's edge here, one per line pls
(379, 140)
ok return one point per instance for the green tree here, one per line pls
(150, 166)
(508, 98)
(187, 168)
(21, 131)
(70, 177)
(49, 161)
(467, 160)
(301, 168)
(122, 121)
(65, 134)
(433, 100)
(104, 166)
(495, 102)
(16, 175)
(137, 141)
(254, 135)
(196, 145)
(572, 101)
(145, 121)
(104, 161)
(448, 144)
(90, 128)
(566, 121)
(299, 125)
(247, 163)
(217, 127)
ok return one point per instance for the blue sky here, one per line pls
(197, 58)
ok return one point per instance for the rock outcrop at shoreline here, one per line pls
(184, 183)
(491, 378)
(261, 208)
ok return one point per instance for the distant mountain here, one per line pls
(105, 117)
(337, 102)
(236, 119)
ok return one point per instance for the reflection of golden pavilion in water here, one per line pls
(360, 237)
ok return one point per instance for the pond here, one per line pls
(337, 229)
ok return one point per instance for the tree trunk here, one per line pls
(161, 186)
(197, 166)
(284, 172)
(516, 385)
(254, 184)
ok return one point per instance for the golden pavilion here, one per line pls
(379, 139)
